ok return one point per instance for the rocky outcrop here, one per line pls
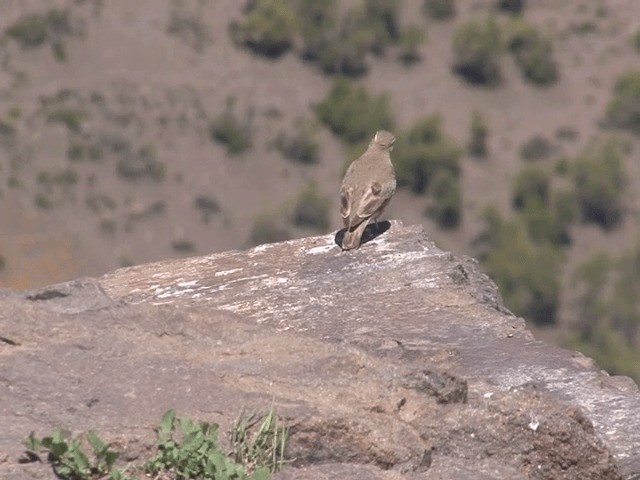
(393, 361)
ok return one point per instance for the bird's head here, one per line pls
(383, 140)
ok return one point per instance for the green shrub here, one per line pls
(544, 223)
(446, 208)
(546, 217)
(267, 29)
(9, 122)
(268, 228)
(346, 51)
(410, 41)
(533, 53)
(536, 148)
(608, 311)
(340, 44)
(99, 203)
(183, 246)
(565, 211)
(422, 151)
(79, 152)
(317, 20)
(228, 130)
(382, 18)
(479, 132)
(623, 110)
(311, 208)
(514, 7)
(70, 117)
(352, 113)
(440, 9)
(140, 165)
(527, 273)
(302, 146)
(530, 185)
(190, 29)
(569, 134)
(625, 308)
(635, 41)
(35, 29)
(477, 47)
(600, 180)
(30, 31)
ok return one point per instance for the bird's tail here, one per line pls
(353, 236)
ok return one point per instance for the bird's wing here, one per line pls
(371, 201)
(345, 203)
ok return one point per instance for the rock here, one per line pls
(394, 361)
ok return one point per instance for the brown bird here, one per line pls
(367, 188)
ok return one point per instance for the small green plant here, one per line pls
(9, 122)
(267, 28)
(479, 132)
(190, 29)
(311, 208)
(207, 205)
(190, 450)
(568, 134)
(229, 131)
(536, 148)
(623, 110)
(43, 201)
(69, 459)
(352, 113)
(440, 9)
(302, 146)
(258, 441)
(514, 7)
(477, 46)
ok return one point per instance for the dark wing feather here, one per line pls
(345, 204)
(371, 201)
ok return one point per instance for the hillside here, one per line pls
(112, 116)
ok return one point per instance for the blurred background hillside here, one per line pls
(138, 131)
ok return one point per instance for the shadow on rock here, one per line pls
(372, 231)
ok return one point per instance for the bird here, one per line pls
(367, 188)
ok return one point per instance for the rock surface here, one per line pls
(395, 361)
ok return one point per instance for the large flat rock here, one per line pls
(394, 361)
